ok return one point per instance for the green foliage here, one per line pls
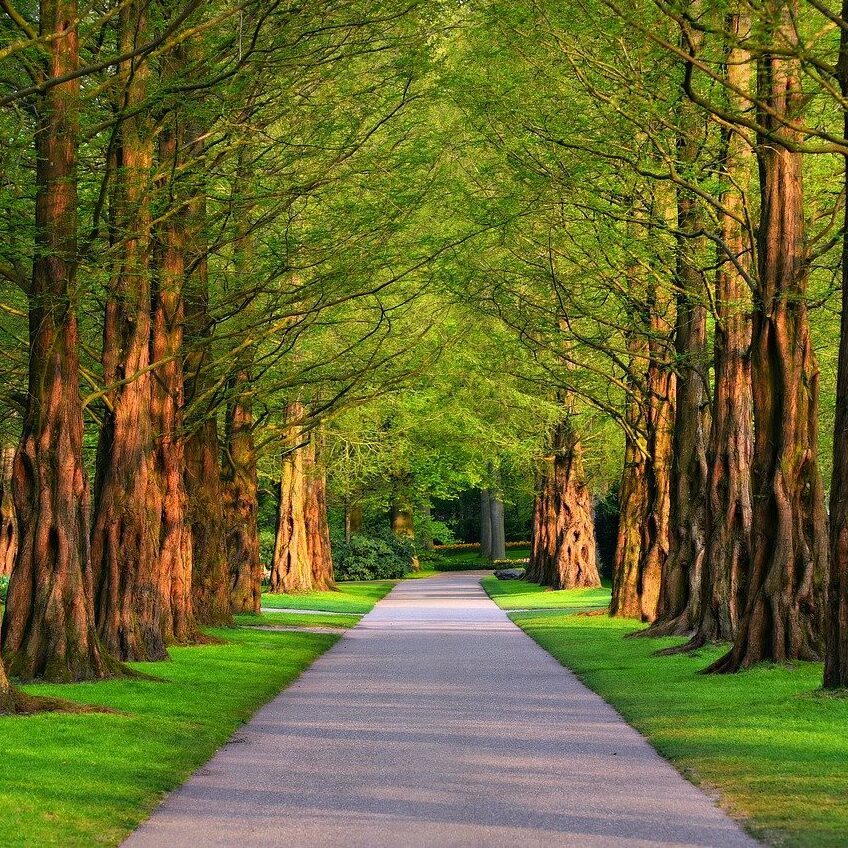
(383, 557)
(4, 587)
(767, 740)
(82, 780)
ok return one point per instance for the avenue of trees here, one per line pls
(369, 255)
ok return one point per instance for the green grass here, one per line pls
(358, 598)
(516, 594)
(84, 780)
(772, 745)
(295, 619)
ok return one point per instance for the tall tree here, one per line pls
(784, 608)
(125, 532)
(48, 626)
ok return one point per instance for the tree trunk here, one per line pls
(485, 524)
(563, 537)
(211, 572)
(353, 519)
(633, 493)
(48, 629)
(241, 503)
(729, 503)
(126, 514)
(8, 516)
(496, 514)
(784, 609)
(174, 550)
(836, 656)
(680, 587)
(302, 557)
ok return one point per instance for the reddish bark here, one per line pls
(48, 628)
(563, 537)
(302, 557)
(784, 609)
(238, 468)
(729, 504)
(126, 516)
(211, 573)
(680, 589)
(166, 409)
(8, 516)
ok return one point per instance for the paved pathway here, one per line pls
(436, 723)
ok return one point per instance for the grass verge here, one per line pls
(89, 779)
(297, 619)
(357, 598)
(767, 740)
(516, 594)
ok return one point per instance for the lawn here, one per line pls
(297, 619)
(772, 745)
(357, 598)
(83, 780)
(516, 594)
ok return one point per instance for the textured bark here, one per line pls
(8, 516)
(836, 655)
(127, 513)
(729, 504)
(302, 557)
(784, 609)
(241, 504)
(485, 524)
(48, 629)
(210, 568)
(563, 538)
(680, 588)
(174, 550)
(633, 495)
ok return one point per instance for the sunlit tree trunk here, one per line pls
(729, 505)
(241, 504)
(211, 573)
(48, 628)
(563, 537)
(836, 657)
(680, 588)
(125, 532)
(632, 495)
(302, 558)
(8, 516)
(784, 609)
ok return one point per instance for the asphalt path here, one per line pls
(437, 722)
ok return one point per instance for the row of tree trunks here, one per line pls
(302, 559)
(48, 627)
(784, 611)
(563, 537)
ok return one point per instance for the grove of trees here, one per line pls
(359, 256)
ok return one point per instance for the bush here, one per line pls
(4, 587)
(372, 558)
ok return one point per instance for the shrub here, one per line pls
(372, 558)
(4, 588)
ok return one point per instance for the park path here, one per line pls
(436, 722)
